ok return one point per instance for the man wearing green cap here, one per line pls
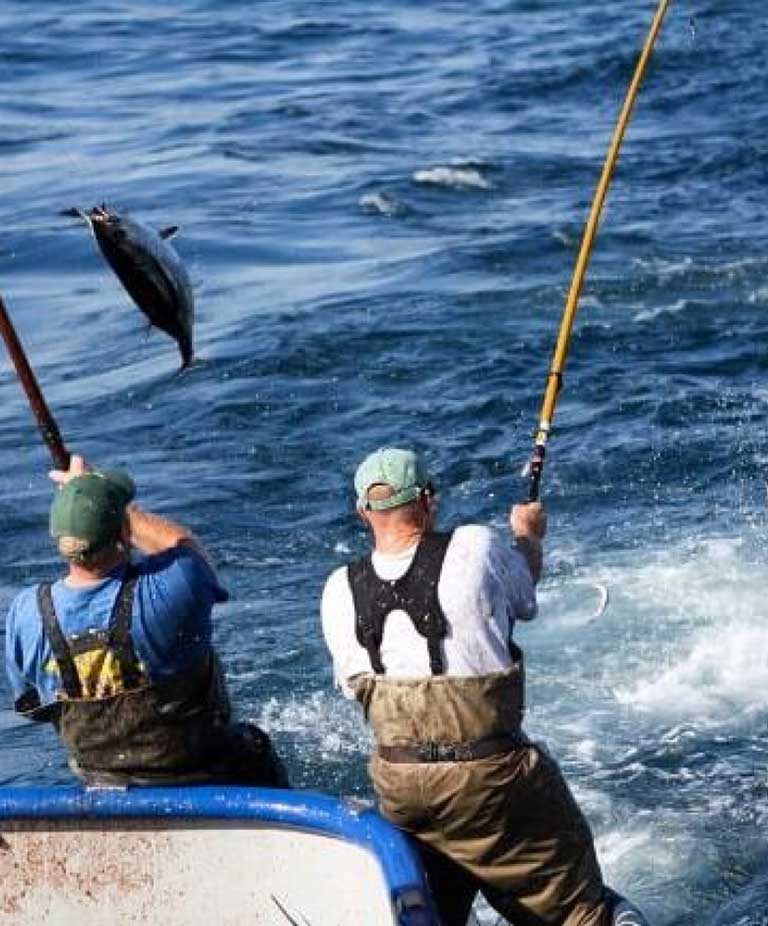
(118, 655)
(420, 632)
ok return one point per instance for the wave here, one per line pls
(649, 315)
(382, 204)
(458, 178)
(667, 270)
(701, 603)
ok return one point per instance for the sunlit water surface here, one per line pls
(380, 204)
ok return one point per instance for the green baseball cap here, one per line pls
(92, 507)
(402, 470)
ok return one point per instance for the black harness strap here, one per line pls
(120, 632)
(415, 593)
(368, 631)
(70, 680)
(118, 638)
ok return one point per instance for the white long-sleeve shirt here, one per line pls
(485, 586)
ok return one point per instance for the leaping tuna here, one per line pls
(149, 269)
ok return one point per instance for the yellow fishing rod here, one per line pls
(535, 465)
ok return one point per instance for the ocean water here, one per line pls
(380, 205)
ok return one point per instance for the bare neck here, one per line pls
(395, 538)
(78, 576)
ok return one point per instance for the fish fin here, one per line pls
(75, 213)
(168, 232)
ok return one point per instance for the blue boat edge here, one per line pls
(309, 811)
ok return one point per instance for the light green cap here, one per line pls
(92, 507)
(402, 470)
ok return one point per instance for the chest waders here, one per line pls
(438, 718)
(133, 725)
(453, 768)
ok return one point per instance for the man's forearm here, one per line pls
(151, 533)
(528, 524)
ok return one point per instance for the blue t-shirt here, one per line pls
(171, 625)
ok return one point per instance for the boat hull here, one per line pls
(214, 856)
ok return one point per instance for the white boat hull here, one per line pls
(207, 856)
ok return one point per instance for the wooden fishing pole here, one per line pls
(535, 466)
(45, 421)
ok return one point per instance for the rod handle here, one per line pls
(533, 470)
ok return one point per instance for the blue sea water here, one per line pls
(380, 205)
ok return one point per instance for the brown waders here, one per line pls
(491, 809)
(120, 729)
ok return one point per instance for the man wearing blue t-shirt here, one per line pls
(118, 655)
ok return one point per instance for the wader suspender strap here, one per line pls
(415, 593)
(120, 632)
(70, 680)
(119, 638)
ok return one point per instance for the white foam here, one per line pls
(649, 315)
(381, 204)
(453, 177)
(721, 678)
(704, 579)
(732, 270)
(326, 720)
(663, 268)
(591, 301)
(704, 606)
(619, 848)
(642, 859)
